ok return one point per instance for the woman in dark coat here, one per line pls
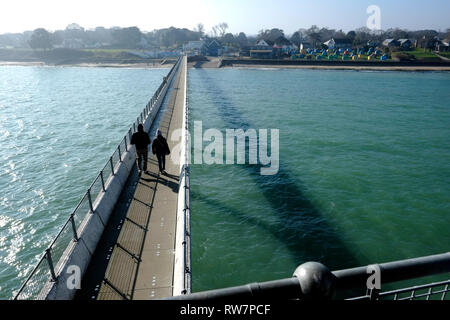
(161, 149)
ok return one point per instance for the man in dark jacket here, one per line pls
(141, 140)
(161, 149)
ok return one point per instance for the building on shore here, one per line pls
(205, 47)
(390, 43)
(338, 44)
(405, 44)
(263, 49)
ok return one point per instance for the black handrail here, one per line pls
(314, 280)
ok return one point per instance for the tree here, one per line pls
(398, 33)
(296, 38)
(40, 39)
(214, 32)
(228, 39)
(219, 30)
(314, 35)
(271, 35)
(127, 37)
(200, 29)
(222, 27)
(351, 35)
(242, 39)
(172, 37)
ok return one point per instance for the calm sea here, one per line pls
(364, 165)
(364, 172)
(58, 127)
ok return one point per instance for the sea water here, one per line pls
(58, 128)
(364, 172)
(363, 177)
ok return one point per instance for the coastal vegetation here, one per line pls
(128, 45)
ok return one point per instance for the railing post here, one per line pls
(74, 228)
(48, 256)
(90, 200)
(373, 294)
(112, 166)
(103, 181)
(126, 145)
(120, 154)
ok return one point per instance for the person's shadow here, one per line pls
(168, 180)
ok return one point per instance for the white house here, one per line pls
(338, 44)
(264, 43)
(194, 47)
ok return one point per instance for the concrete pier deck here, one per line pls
(140, 262)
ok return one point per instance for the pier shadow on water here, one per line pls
(305, 230)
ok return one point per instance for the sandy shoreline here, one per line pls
(214, 65)
(357, 68)
(88, 65)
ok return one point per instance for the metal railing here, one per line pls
(182, 266)
(48, 265)
(185, 176)
(423, 292)
(313, 280)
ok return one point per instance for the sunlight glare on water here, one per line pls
(58, 127)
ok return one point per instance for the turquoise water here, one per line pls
(364, 172)
(58, 127)
(363, 178)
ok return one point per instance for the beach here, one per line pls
(215, 63)
(356, 68)
(87, 65)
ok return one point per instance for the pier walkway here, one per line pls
(140, 260)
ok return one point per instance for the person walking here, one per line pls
(141, 140)
(161, 149)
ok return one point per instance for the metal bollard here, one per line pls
(112, 166)
(48, 256)
(90, 200)
(74, 228)
(317, 282)
(103, 181)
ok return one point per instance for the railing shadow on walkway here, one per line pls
(99, 272)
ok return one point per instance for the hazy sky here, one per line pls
(249, 16)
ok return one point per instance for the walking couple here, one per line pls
(159, 147)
